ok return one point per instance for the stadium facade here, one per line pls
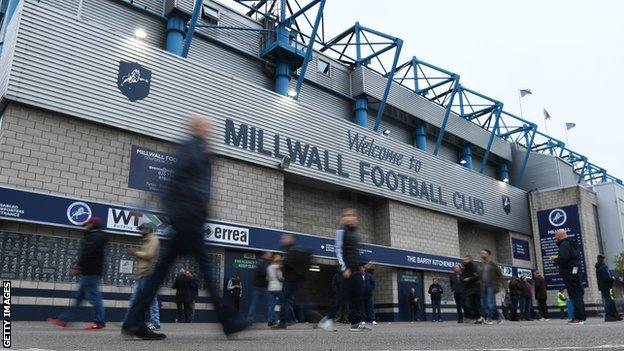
(96, 94)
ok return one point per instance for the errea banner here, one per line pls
(26, 206)
(226, 234)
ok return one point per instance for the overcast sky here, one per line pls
(569, 53)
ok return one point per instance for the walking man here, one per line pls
(259, 286)
(568, 260)
(347, 252)
(147, 256)
(235, 290)
(185, 199)
(457, 286)
(470, 279)
(490, 283)
(89, 267)
(436, 291)
(540, 295)
(605, 283)
(369, 291)
(295, 269)
(275, 279)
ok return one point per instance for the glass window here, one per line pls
(323, 66)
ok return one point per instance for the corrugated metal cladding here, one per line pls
(157, 6)
(397, 131)
(447, 152)
(246, 41)
(226, 61)
(123, 20)
(68, 66)
(338, 79)
(71, 6)
(371, 83)
(323, 102)
(8, 47)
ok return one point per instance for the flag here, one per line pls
(524, 92)
(546, 114)
(570, 125)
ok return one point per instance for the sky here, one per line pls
(569, 53)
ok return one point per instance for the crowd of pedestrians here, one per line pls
(279, 277)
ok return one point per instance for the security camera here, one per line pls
(285, 162)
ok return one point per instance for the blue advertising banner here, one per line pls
(61, 211)
(149, 169)
(520, 249)
(549, 221)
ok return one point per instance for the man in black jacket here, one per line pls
(568, 260)
(539, 285)
(185, 199)
(605, 283)
(90, 267)
(260, 285)
(457, 286)
(184, 296)
(436, 291)
(295, 269)
(470, 278)
(347, 247)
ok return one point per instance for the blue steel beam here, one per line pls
(447, 114)
(310, 48)
(191, 27)
(382, 104)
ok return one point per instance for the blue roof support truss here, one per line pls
(298, 25)
(360, 46)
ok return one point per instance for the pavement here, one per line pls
(508, 336)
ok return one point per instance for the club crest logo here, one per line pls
(506, 204)
(78, 213)
(133, 80)
(557, 217)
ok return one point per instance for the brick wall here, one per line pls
(473, 239)
(422, 230)
(585, 199)
(44, 151)
(314, 211)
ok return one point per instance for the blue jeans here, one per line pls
(575, 293)
(488, 307)
(89, 289)
(436, 311)
(275, 298)
(607, 301)
(353, 291)
(154, 312)
(289, 289)
(258, 292)
(370, 308)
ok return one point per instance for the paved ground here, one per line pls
(552, 335)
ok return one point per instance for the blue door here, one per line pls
(408, 279)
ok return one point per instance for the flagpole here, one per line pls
(566, 136)
(545, 120)
(520, 102)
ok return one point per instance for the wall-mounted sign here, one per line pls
(520, 249)
(149, 169)
(549, 221)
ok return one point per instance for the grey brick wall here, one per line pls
(503, 248)
(585, 199)
(422, 230)
(314, 211)
(44, 151)
(473, 239)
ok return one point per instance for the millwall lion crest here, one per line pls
(133, 80)
(506, 204)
